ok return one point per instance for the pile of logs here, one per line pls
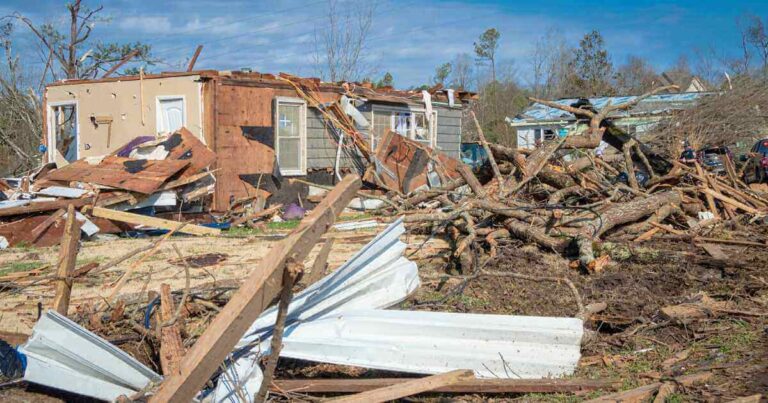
(566, 199)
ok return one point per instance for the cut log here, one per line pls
(408, 388)
(139, 219)
(66, 263)
(256, 293)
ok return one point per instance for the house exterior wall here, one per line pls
(123, 100)
(449, 130)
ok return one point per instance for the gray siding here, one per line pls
(449, 130)
(321, 149)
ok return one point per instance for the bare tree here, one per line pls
(636, 76)
(20, 121)
(339, 47)
(755, 35)
(72, 51)
(549, 61)
(463, 70)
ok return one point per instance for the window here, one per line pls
(412, 124)
(171, 114)
(290, 135)
(63, 131)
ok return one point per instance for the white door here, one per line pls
(170, 115)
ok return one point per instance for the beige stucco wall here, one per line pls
(123, 101)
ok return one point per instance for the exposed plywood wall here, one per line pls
(236, 107)
(124, 101)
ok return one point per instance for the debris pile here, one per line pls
(150, 183)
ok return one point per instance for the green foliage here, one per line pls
(591, 67)
(386, 81)
(442, 72)
(486, 46)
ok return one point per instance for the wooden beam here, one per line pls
(408, 388)
(255, 295)
(125, 60)
(640, 394)
(66, 262)
(40, 228)
(192, 62)
(321, 262)
(139, 219)
(36, 207)
(171, 346)
(732, 202)
(707, 196)
(466, 386)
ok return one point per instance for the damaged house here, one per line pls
(262, 128)
(539, 123)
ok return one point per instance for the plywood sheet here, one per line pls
(142, 176)
(184, 146)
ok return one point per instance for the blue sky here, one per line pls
(407, 38)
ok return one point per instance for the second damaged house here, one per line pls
(262, 128)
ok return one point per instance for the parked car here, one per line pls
(756, 169)
(711, 158)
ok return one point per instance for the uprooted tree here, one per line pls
(568, 207)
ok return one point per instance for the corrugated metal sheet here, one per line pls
(493, 346)
(63, 355)
(340, 320)
(652, 105)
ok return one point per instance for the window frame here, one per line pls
(159, 111)
(302, 171)
(52, 129)
(392, 110)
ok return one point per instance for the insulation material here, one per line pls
(61, 191)
(63, 355)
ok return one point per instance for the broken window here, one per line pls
(402, 123)
(290, 131)
(411, 124)
(381, 125)
(64, 124)
(422, 130)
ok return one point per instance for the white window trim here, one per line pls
(52, 127)
(302, 134)
(412, 111)
(159, 112)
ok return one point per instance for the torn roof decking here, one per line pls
(258, 79)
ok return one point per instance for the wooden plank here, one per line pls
(647, 235)
(732, 202)
(192, 61)
(66, 262)
(321, 262)
(139, 219)
(40, 228)
(667, 228)
(728, 241)
(171, 346)
(708, 197)
(36, 207)
(142, 176)
(256, 293)
(634, 395)
(466, 386)
(408, 388)
(185, 146)
(715, 251)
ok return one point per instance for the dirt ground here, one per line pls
(631, 342)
